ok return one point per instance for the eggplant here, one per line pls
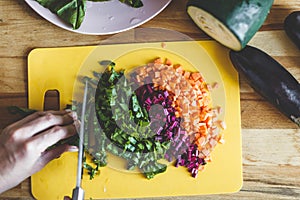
(270, 79)
(292, 27)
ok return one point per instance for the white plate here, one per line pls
(108, 17)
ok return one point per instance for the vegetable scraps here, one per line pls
(155, 112)
(73, 11)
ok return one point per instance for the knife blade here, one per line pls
(78, 192)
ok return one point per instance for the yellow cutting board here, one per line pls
(57, 69)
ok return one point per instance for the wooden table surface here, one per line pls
(271, 143)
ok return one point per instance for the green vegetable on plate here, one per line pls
(73, 11)
(70, 11)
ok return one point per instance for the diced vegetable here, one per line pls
(157, 111)
(189, 95)
(127, 124)
(191, 159)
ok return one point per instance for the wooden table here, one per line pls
(271, 143)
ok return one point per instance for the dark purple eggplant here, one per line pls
(270, 79)
(292, 27)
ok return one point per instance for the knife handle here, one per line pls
(78, 194)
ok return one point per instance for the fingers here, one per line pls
(46, 121)
(52, 154)
(51, 136)
(35, 116)
(41, 121)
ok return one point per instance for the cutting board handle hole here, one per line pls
(51, 100)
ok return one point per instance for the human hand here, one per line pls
(23, 144)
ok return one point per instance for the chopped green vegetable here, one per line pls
(127, 125)
(134, 120)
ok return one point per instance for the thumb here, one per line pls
(52, 154)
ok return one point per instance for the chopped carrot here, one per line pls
(190, 95)
(158, 61)
(187, 75)
(196, 76)
(168, 62)
(176, 66)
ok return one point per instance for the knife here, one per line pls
(270, 79)
(78, 192)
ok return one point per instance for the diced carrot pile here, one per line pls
(191, 97)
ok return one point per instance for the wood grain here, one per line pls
(271, 143)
